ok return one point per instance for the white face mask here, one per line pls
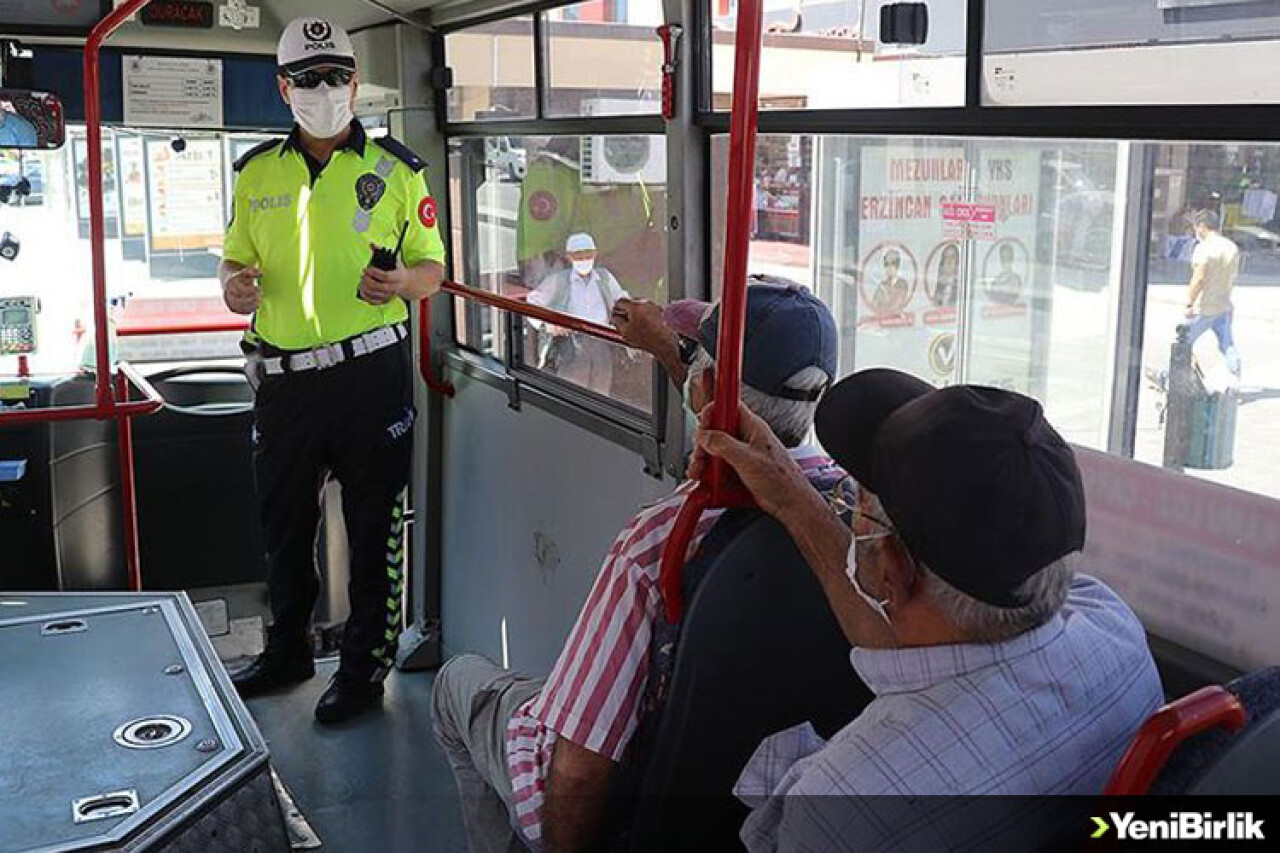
(584, 268)
(851, 572)
(324, 111)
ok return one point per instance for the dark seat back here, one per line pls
(760, 651)
(1250, 766)
(1218, 761)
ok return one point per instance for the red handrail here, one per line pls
(97, 230)
(719, 487)
(537, 312)
(142, 328)
(505, 303)
(1206, 708)
(439, 385)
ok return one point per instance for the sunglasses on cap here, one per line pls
(329, 76)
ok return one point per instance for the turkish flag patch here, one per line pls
(427, 212)
(543, 206)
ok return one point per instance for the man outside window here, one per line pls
(1214, 266)
(584, 290)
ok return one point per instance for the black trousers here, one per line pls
(354, 422)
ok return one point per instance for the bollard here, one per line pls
(1181, 390)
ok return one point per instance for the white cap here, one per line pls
(314, 43)
(580, 243)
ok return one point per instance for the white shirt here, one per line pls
(584, 297)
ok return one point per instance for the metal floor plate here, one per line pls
(70, 683)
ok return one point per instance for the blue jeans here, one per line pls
(1221, 326)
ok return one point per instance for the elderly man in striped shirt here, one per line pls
(533, 760)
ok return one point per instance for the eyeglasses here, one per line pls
(848, 511)
(328, 76)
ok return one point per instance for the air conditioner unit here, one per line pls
(624, 159)
(621, 159)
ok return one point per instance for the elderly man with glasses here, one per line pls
(952, 569)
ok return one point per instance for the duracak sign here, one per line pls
(189, 14)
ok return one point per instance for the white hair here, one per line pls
(790, 420)
(1045, 593)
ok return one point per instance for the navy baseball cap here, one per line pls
(982, 490)
(787, 329)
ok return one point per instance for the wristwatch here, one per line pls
(688, 348)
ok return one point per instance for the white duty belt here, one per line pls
(322, 358)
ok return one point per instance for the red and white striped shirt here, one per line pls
(594, 693)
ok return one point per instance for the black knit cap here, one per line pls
(983, 491)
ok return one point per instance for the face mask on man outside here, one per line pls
(324, 112)
(584, 266)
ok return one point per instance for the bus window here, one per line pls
(1130, 52)
(825, 54)
(604, 58)
(571, 223)
(492, 71)
(1011, 263)
(166, 202)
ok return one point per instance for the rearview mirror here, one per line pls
(31, 120)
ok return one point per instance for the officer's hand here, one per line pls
(639, 321)
(241, 292)
(558, 331)
(378, 287)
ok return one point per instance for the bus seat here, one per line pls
(1205, 741)
(759, 651)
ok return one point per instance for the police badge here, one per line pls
(369, 190)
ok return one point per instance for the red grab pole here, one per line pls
(97, 230)
(719, 486)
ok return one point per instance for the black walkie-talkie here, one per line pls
(384, 258)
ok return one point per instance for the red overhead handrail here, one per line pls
(1206, 708)
(719, 486)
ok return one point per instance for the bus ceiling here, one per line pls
(237, 26)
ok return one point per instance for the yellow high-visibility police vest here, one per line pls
(310, 233)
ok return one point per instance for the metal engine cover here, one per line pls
(119, 730)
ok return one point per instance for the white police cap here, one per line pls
(314, 43)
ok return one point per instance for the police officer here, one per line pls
(329, 355)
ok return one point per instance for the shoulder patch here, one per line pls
(260, 148)
(401, 152)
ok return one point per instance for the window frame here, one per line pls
(1155, 123)
(1137, 123)
(644, 432)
